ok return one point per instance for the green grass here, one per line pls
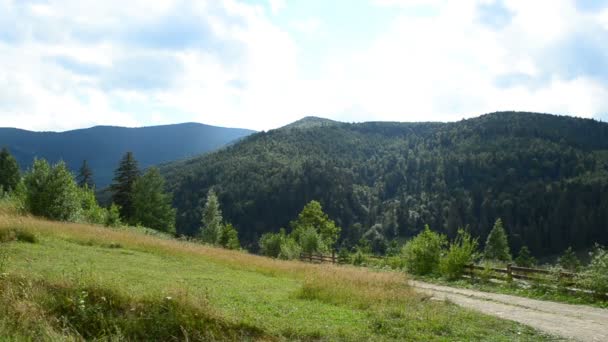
(75, 281)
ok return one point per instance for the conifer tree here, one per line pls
(9, 171)
(85, 176)
(211, 223)
(151, 204)
(525, 258)
(497, 246)
(122, 189)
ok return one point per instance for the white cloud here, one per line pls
(69, 64)
(276, 5)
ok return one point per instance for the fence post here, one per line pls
(509, 272)
(333, 257)
(310, 257)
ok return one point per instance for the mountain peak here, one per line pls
(311, 121)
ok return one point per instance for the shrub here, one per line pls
(569, 261)
(595, 276)
(7, 235)
(270, 243)
(229, 237)
(113, 216)
(359, 258)
(524, 258)
(290, 249)
(461, 252)
(422, 253)
(25, 236)
(91, 211)
(52, 192)
(344, 256)
(311, 241)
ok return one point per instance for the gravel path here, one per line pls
(576, 322)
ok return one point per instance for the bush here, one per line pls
(595, 276)
(113, 216)
(7, 235)
(569, 261)
(461, 252)
(25, 236)
(91, 211)
(290, 249)
(229, 237)
(422, 253)
(359, 258)
(52, 192)
(311, 241)
(270, 243)
(17, 234)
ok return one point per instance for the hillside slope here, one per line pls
(103, 146)
(62, 281)
(546, 176)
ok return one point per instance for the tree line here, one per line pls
(546, 176)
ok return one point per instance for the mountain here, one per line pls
(103, 146)
(546, 176)
(310, 122)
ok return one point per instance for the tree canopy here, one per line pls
(122, 189)
(151, 203)
(85, 176)
(546, 176)
(9, 171)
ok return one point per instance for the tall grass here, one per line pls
(368, 286)
(325, 302)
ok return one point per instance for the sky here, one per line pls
(261, 64)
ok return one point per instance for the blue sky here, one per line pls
(264, 63)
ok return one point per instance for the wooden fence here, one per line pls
(523, 273)
(472, 270)
(330, 258)
(319, 258)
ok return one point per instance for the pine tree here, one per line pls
(151, 204)
(122, 189)
(85, 176)
(525, 258)
(211, 223)
(9, 171)
(497, 246)
(229, 237)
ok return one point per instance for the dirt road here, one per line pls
(576, 322)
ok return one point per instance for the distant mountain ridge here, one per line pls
(103, 146)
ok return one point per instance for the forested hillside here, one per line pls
(102, 146)
(546, 176)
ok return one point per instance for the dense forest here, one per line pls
(102, 146)
(545, 176)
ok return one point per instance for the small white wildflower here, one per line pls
(168, 298)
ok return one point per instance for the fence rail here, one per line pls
(472, 270)
(517, 272)
(319, 258)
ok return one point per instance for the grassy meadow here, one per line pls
(65, 281)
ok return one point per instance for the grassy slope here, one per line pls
(80, 280)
